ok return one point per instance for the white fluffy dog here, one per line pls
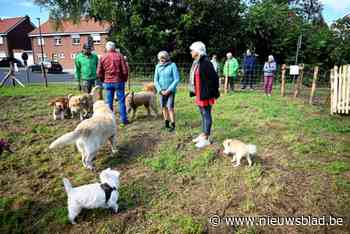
(91, 196)
(92, 133)
(239, 150)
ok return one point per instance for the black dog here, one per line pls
(4, 145)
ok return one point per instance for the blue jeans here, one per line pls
(206, 119)
(119, 88)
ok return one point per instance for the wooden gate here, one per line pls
(340, 90)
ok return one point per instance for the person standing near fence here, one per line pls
(249, 68)
(113, 72)
(166, 78)
(269, 74)
(215, 63)
(230, 71)
(85, 68)
(204, 85)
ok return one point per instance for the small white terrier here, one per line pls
(91, 196)
(239, 150)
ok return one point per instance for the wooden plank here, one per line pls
(299, 81)
(332, 90)
(340, 83)
(343, 96)
(313, 88)
(336, 73)
(347, 96)
(283, 80)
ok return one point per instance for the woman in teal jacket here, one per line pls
(166, 78)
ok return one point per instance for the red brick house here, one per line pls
(62, 42)
(14, 38)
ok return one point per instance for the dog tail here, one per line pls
(67, 185)
(68, 138)
(251, 149)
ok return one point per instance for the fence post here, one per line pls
(283, 80)
(347, 87)
(299, 81)
(313, 88)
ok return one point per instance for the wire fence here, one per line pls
(144, 72)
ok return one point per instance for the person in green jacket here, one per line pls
(230, 71)
(85, 68)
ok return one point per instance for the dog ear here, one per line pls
(52, 103)
(69, 96)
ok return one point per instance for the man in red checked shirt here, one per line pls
(113, 72)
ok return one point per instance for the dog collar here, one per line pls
(108, 190)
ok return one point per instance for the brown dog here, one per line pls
(145, 98)
(60, 108)
(135, 100)
(149, 87)
(82, 105)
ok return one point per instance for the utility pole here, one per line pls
(42, 54)
(298, 48)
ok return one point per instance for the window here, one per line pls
(96, 38)
(1, 40)
(39, 58)
(61, 55)
(58, 41)
(55, 57)
(73, 55)
(42, 41)
(75, 39)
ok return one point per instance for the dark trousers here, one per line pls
(248, 79)
(88, 85)
(206, 119)
(231, 83)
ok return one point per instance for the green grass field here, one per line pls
(167, 185)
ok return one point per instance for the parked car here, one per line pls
(50, 66)
(5, 62)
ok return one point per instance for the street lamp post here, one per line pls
(42, 54)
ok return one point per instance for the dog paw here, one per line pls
(90, 167)
(236, 165)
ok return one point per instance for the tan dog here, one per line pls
(150, 87)
(82, 105)
(239, 150)
(60, 108)
(145, 98)
(91, 134)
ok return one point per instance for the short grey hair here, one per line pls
(110, 45)
(199, 47)
(163, 54)
(271, 58)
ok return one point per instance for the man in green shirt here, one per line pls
(85, 68)
(230, 71)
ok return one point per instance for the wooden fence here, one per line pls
(340, 90)
(298, 85)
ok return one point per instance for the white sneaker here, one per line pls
(203, 143)
(198, 138)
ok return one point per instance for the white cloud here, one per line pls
(337, 5)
